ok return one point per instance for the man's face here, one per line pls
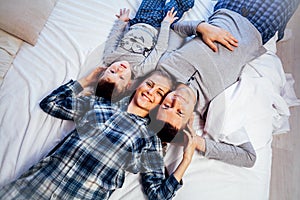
(177, 107)
(118, 73)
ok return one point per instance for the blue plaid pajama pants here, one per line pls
(152, 12)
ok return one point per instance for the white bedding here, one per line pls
(69, 47)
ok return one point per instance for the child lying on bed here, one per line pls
(109, 139)
(141, 45)
(111, 83)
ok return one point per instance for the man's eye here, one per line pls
(165, 106)
(180, 113)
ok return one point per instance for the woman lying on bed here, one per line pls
(109, 139)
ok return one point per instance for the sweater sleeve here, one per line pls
(155, 184)
(62, 103)
(242, 155)
(112, 42)
(187, 28)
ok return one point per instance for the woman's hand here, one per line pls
(189, 149)
(211, 34)
(170, 17)
(92, 78)
(123, 15)
(190, 141)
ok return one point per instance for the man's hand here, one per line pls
(92, 78)
(170, 17)
(123, 15)
(211, 34)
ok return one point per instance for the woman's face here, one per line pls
(151, 92)
(118, 73)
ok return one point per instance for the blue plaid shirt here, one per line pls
(268, 16)
(92, 161)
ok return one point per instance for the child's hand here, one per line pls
(124, 15)
(170, 17)
(92, 78)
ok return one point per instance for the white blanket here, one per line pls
(69, 47)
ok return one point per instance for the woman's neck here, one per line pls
(134, 109)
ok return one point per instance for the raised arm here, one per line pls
(153, 181)
(63, 103)
(115, 35)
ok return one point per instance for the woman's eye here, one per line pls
(149, 83)
(160, 93)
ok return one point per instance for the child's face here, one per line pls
(118, 73)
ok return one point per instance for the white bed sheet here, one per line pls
(68, 48)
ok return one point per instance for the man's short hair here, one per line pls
(167, 132)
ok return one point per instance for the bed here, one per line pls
(69, 45)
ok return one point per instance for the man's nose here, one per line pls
(174, 101)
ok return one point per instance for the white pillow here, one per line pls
(25, 18)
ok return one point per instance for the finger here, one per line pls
(227, 45)
(234, 39)
(233, 42)
(174, 14)
(211, 45)
(175, 18)
(123, 11)
(191, 120)
(188, 134)
(128, 11)
(172, 9)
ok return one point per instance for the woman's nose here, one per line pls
(151, 91)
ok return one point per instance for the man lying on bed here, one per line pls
(109, 139)
(209, 73)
